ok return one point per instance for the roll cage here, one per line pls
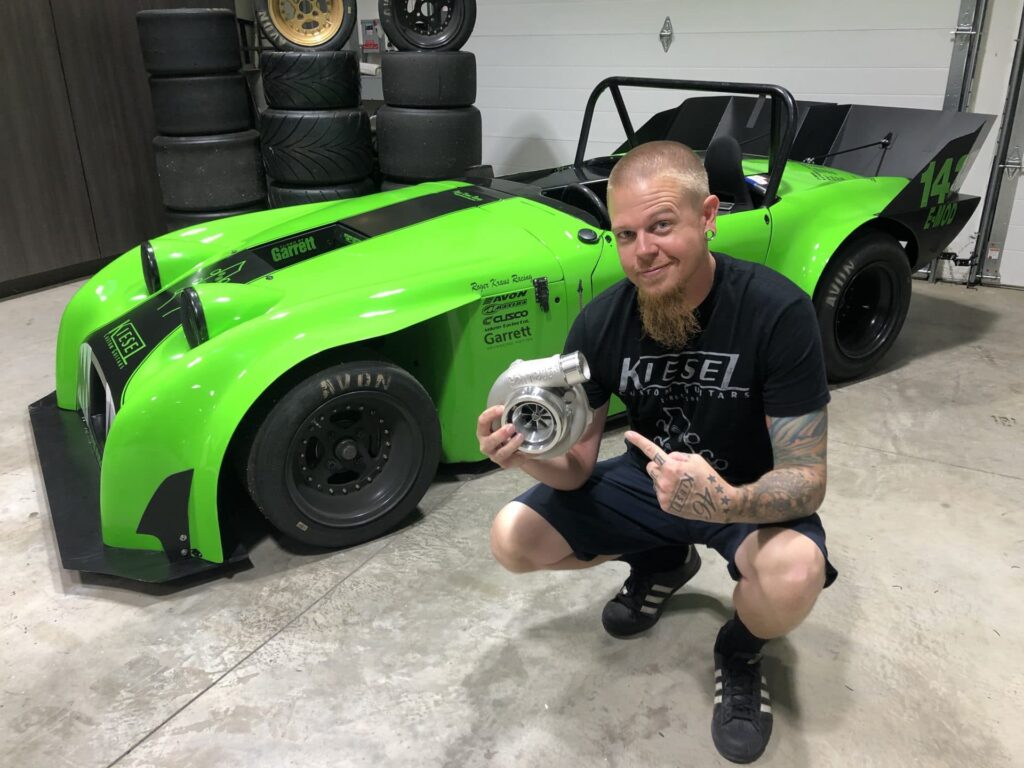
(783, 117)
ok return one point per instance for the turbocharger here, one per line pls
(544, 399)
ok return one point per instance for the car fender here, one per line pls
(808, 228)
(182, 408)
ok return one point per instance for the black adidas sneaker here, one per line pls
(741, 721)
(641, 600)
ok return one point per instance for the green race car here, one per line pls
(323, 359)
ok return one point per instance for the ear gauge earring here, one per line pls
(709, 235)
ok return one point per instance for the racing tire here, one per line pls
(326, 26)
(210, 173)
(189, 41)
(311, 80)
(315, 148)
(203, 105)
(429, 79)
(345, 455)
(181, 219)
(281, 196)
(412, 30)
(428, 144)
(861, 301)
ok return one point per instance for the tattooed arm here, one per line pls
(796, 486)
(687, 486)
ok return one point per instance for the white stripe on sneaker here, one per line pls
(653, 599)
(718, 699)
(648, 609)
(661, 588)
(766, 708)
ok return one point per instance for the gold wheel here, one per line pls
(308, 23)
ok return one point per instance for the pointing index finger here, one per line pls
(650, 449)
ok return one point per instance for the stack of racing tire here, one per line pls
(315, 139)
(207, 152)
(428, 128)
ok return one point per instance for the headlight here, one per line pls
(150, 269)
(193, 320)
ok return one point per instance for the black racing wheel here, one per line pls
(862, 300)
(345, 455)
(427, 25)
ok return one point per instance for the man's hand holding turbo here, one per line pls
(502, 445)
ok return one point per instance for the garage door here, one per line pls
(1011, 267)
(538, 61)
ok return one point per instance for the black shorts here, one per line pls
(616, 512)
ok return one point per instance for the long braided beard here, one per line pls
(667, 319)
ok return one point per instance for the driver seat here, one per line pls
(723, 162)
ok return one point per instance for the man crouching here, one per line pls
(719, 364)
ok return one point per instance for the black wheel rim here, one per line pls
(353, 459)
(865, 312)
(429, 23)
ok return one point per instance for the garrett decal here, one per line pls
(294, 248)
(502, 337)
(123, 341)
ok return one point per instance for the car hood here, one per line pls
(435, 244)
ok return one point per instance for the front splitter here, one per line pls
(71, 474)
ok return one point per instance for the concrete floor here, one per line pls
(418, 649)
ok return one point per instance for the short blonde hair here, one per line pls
(663, 159)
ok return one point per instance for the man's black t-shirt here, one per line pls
(759, 354)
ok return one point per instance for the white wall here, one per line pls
(538, 61)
